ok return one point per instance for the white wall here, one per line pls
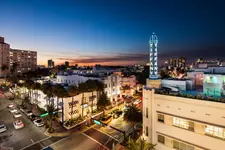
(202, 112)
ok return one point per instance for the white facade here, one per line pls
(111, 82)
(182, 123)
(72, 106)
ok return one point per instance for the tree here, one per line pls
(132, 115)
(13, 70)
(82, 88)
(99, 87)
(140, 144)
(92, 86)
(62, 93)
(4, 68)
(36, 87)
(47, 90)
(72, 91)
(103, 101)
(28, 84)
(51, 116)
(126, 87)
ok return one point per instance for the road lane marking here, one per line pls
(31, 141)
(95, 141)
(55, 143)
(35, 143)
(107, 134)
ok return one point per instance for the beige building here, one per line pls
(174, 122)
(26, 60)
(4, 56)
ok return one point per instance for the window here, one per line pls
(183, 123)
(182, 146)
(215, 131)
(161, 139)
(146, 131)
(146, 112)
(161, 118)
(105, 85)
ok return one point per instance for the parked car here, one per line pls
(138, 101)
(28, 113)
(117, 114)
(33, 117)
(39, 122)
(13, 109)
(23, 108)
(17, 114)
(11, 105)
(2, 127)
(18, 124)
(106, 119)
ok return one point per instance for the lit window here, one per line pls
(215, 131)
(183, 123)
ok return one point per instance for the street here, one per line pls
(18, 139)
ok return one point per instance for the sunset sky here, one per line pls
(114, 32)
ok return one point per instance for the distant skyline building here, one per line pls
(177, 62)
(67, 64)
(51, 63)
(26, 60)
(153, 56)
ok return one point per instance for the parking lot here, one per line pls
(18, 139)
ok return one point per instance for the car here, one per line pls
(23, 108)
(138, 101)
(117, 114)
(39, 122)
(11, 105)
(11, 98)
(18, 124)
(28, 113)
(2, 127)
(17, 114)
(33, 117)
(13, 109)
(106, 119)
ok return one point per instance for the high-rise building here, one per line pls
(51, 63)
(4, 57)
(177, 62)
(67, 64)
(25, 60)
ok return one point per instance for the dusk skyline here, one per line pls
(114, 32)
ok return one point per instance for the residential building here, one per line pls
(26, 60)
(177, 62)
(111, 82)
(51, 63)
(174, 122)
(129, 81)
(4, 56)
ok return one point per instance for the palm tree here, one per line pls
(72, 91)
(99, 88)
(36, 87)
(4, 68)
(62, 93)
(140, 144)
(28, 84)
(46, 89)
(92, 86)
(51, 116)
(132, 115)
(82, 88)
(103, 101)
(13, 70)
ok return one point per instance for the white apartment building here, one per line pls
(111, 82)
(180, 123)
(72, 107)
